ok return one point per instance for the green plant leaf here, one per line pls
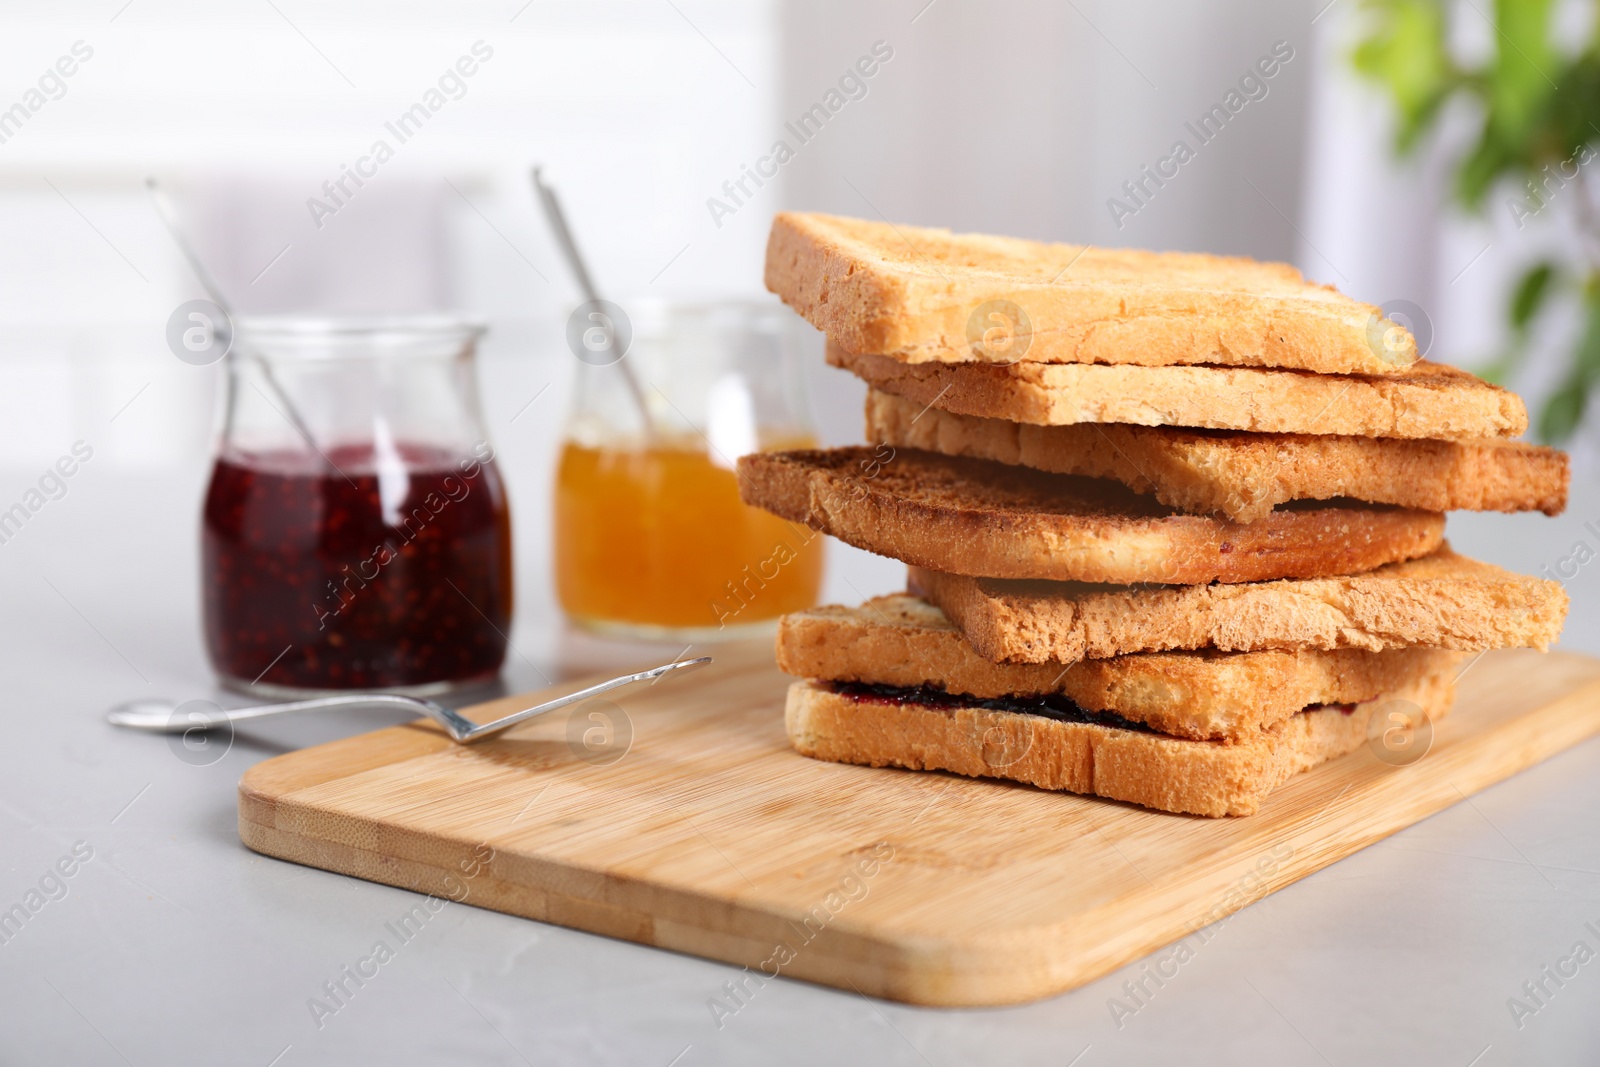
(1527, 299)
(1525, 90)
(1564, 409)
(1498, 369)
(1588, 355)
(1574, 119)
(1404, 51)
(1483, 166)
(1525, 71)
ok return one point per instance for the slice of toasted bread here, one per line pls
(1441, 600)
(931, 295)
(1431, 400)
(907, 643)
(1245, 475)
(1167, 773)
(972, 516)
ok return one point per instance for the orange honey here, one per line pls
(658, 537)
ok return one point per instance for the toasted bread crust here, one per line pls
(1428, 401)
(1442, 600)
(911, 291)
(967, 516)
(1245, 475)
(1167, 773)
(905, 642)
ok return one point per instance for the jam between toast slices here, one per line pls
(1050, 706)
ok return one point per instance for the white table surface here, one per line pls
(175, 945)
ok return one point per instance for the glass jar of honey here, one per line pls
(355, 532)
(651, 538)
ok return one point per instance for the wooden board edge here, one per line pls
(1016, 966)
(348, 756)
(833, 958)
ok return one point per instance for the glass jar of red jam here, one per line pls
(355, 533)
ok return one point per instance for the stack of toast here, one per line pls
(1174, 522)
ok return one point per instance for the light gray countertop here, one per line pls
(173, 944)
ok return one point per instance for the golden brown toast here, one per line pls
(1245, 475)
(904, 642)
(1441, 600)
(972, 516)
(1429, 400)
(1167, 773)
(931, 295)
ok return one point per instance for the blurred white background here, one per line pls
(1022, 117)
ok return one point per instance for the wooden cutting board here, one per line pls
(709, 835)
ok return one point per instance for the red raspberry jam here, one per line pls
(1049, 705)
(355, 573)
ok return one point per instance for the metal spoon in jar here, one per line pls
(156, 716)
(169, 218)
(580, 273)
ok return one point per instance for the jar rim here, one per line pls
(654, 315)
(752, 303)
(359, 327)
